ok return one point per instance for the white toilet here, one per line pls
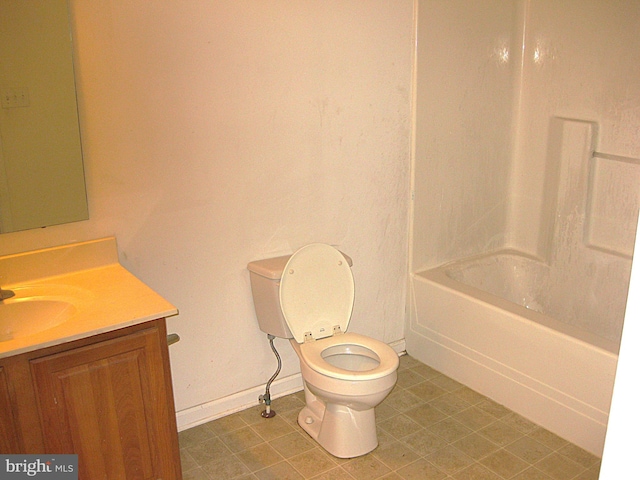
(308, 298)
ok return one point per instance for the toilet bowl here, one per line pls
(340, 397)
(308, 298)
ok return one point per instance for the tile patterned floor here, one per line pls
(430, 427)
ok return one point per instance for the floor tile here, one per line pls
(337, 473)
(500, 433)
(292, 444)
(547, 438)
(407, 378)
(400, 426)
(424, 442)
(429, 427)
(592, 473)
(271, 428)
(195, 435)
(187, 461)
(450, 460)
(366, 467)
(384, 438)
(290, 402)
(427, 391)
(260, 457)
(290, 416)
(504, 463)
(312, 462)
(476, 446)
(425, 415)
(450, 430)
(446, 383)
(579, 455)
(227, 468)
(420, 470)
(278, 471)
(208, 451)
(474, 418)
(531, 473)
(476, 472)
(470, 395)
(493, 408)
(391, 476)
(195, 474)
(407, 361)
(519, 422)
(252, 415)
(528, 449)
(450, 403)
(241, 439)
(226, 424)
(395, 455)
(559, 467)
(402, 400)
(384, 411)
(425, 371)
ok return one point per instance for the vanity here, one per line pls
(84, 363)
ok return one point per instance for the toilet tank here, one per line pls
(265, 278)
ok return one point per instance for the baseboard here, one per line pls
(399, 346)
(221, 407)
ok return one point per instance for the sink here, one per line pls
(28, 317)
(36, 309)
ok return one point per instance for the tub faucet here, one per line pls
(4, 294)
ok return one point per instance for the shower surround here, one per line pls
(525, 185)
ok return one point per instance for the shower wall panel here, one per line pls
(465, 71)
(581, 60)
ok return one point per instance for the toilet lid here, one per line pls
(316, 292)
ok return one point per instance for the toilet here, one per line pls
(308, 298)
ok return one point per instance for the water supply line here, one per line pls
(266, 398)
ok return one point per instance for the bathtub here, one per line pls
(487, 323)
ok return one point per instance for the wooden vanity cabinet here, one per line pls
(107, 398)
(8, 433)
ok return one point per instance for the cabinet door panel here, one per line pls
(8, 433)
(105, 403)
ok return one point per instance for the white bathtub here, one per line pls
(553, 372)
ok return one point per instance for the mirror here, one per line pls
(41, 172)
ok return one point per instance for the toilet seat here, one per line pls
(312, 352)
(316, 292)
(316, 298)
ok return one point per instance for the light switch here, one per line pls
(15, 97)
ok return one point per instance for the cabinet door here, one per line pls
(8, 432)
(109, 403)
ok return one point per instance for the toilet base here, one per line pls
(340, 430)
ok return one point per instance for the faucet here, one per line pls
(4, 294)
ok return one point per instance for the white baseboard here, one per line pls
(194, 416)
(400, 346)
(206, 412)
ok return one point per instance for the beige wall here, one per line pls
(220, 132)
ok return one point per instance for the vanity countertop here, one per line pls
(103, 294)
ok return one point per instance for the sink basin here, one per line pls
(35, 309)
(22, 318)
